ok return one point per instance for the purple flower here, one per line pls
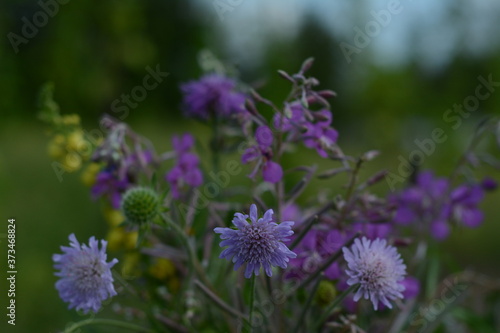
(377, 268)
(373, 230)
(107, 184)
(186, 171)
(291, 212)
(464, 201)
(489, 184)
(85, 276)
(320, 135)
(262, 153)
(426, 202)
(135, 162)
(430, 203)
(308, 256)
(256, 244)
(316, 247)
(212, 94)
(182, 144)
(293, 121)
(412, 287)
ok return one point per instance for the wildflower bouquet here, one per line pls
(202, 250)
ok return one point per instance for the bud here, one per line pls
(326, 293)
(140, 205)
(285, 75)
(327, 93)
(306, 65)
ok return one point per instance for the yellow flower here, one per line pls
(120, 239)
(70, 119)
(89, 175)
(130, 240)
(77, 143)
(55, 147)
(112, 216)
(162, 268)
(71, 162)
(130, 265)
(115, 238)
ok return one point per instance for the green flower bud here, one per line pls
(326, 293)
(140, 205)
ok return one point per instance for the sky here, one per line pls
(426, 31)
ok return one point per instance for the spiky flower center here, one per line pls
(87, 275)
(374, 273)
(258, 243)
(140, 205)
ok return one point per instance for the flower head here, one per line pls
(431, 202)
(378, 268)
(489, 184)
(212, 94)
(314, 249)
(262, 152)
(140, 205)
(186, 171)
(464, 205)
(320, 135)
(292, 120)
(426, 202)
(85, 276)
(256, 244)
(108, 184)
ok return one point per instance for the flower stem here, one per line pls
(306, 306)
(334, 304)
(109, 322)
(252, 299)
(215, 144)
(219, 302)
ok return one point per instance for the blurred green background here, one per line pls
(419, 63)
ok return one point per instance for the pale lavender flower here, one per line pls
(85, 276)
(256, 244)
(377, 268)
